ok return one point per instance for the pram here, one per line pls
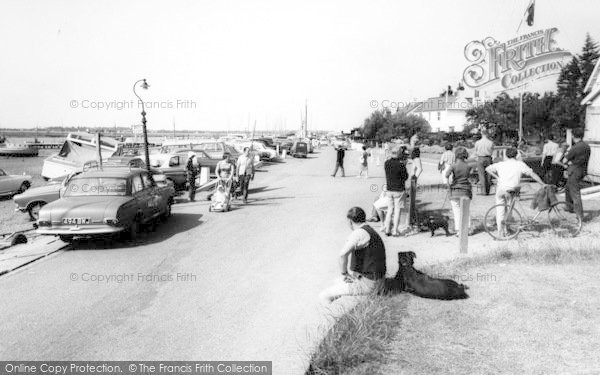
(221, 198)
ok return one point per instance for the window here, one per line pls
(439, 114)
(174, 161)
(136, 184)
(147, 181)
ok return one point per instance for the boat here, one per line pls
(78, 149)
(18, 149)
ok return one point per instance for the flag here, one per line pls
(529, 13)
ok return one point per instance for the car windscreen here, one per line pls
(96, 186)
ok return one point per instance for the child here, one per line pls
(363, 163)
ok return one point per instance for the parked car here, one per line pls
(32, 200)
(173, 165)
(13, 184)
(258, 148)
(299, 149)
(106, 202)
(215, 149)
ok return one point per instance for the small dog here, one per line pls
(419, 284)
(433, 223)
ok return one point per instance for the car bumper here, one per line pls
(88, 230)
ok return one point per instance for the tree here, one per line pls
(587, 60)
(382, 126)
(568, 111)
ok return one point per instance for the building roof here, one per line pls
(593, 85)
(442, 103)
(593, 80)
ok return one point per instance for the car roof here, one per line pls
(111, 172)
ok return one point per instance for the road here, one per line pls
(240, 285)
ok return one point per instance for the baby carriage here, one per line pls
(221, 198)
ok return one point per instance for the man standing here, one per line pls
(339, 163)
(550, 149)
(367, 264)
(508, 174)
(245, 171)
(395, 177)
(191, 168)
(577, 160)
(483, 151)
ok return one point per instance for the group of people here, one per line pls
(232, 172)
(555, 159)
(362, 260)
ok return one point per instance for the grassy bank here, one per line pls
(532, 310)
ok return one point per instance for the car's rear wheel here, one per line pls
(34, 210)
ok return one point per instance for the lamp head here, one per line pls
(145, 85)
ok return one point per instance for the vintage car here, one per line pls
(173, 165)
(299, 149)
(258, 148)
(106, 202)
(32, 200)
(13, 184)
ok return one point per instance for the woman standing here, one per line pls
(417, 167)
(446, 162)
(460, 186)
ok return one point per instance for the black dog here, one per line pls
(419, 284)
(434, 222)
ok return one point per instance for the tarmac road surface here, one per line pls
(240, 285)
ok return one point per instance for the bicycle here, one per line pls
(563, 221)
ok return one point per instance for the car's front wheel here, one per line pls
(34, 210)
(133, 230)
(167, 214)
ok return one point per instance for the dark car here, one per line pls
(173, 165)
(299, 149)
(106, 202)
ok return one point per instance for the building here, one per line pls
(444, 113)
(592, 122)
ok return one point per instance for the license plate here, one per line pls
(77, 220)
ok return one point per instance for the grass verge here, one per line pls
(360, 341)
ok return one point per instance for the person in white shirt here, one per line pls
(508, 176)
(446, 162)
(550, 149)
(558, 165)
(245, 171)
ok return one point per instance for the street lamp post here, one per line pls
(145, 86)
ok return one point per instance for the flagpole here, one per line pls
(521, 113)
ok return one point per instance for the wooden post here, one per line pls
(99, 149)
(464, 225)
(413, 202)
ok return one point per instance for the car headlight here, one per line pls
(44, 223)
(110, 221)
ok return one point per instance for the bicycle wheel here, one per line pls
(563, 222)
(512, 223)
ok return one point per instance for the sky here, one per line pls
(225, 65)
